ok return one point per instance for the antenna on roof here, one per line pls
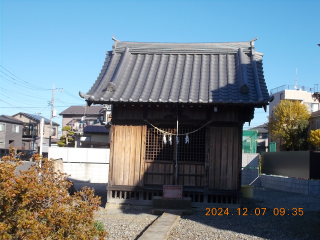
(296, 80)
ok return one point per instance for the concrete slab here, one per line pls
(161, 228)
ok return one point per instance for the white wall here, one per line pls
(84, 164)
(250, 169)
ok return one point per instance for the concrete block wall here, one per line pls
(250, 160)
(287, 184)
(93, 173)
(84, 165)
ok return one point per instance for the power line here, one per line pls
(21, 100)
(12, 105)
(25, 86)
(71, 95)
(31, 102)
(21, 80)
(9, 90)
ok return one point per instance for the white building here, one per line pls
(293, 92)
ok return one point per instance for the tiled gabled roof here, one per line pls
(9, 119)
(95, 129)
(181, 72)
(260, 128)
(315, 114)
(37, 118)
(81, 110)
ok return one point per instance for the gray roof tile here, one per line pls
(9, 119)
(81, 110)
(37, 118)
(181, 72)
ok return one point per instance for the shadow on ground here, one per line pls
(245, 220)
(100, 189)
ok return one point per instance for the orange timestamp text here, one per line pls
(257, 212)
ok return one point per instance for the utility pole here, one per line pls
(52, 109)
(52, 103)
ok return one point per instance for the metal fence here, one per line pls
(299, 164)
(292, 87)
(249, 143)
(272, 147)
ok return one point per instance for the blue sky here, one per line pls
(64, 42)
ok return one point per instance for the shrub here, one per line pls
(99, 226)
(314, 138)
(35, 204)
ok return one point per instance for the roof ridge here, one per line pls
(118, 41)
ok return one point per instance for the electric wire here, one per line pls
(21, 80)
(71, 95)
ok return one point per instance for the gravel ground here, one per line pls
(130, 223)
(125, 223)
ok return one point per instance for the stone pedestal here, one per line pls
(160, 205)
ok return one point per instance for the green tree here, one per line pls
(35, 204)
(67, 140)
(289, 124)
(314, 138)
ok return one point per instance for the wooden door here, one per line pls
(127, 152)
(224, 157)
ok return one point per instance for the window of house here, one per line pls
(53, 131)
(2, 127)
(15, 128)
(314, 107)
(263, 135)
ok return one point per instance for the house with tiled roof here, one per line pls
(88, 124)
(73, 115)
(31, 131)
(178, 111)
(10, 134)
(262, 141)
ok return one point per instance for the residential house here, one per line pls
(10, 134)
(315, 120)
(178, 111)
(262, 141)
(93, 136)
(79, 116)
(31, 131)
(88, 124)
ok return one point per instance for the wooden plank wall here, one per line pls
(127, 111)
(191, 174)
(127, 154)
(159, 173)
(224, 157)
(226, 114)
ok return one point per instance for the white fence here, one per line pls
(90, 165)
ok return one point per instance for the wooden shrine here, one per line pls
(177, 116)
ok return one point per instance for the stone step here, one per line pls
(160, 229)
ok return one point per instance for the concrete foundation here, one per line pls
(161, 203)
